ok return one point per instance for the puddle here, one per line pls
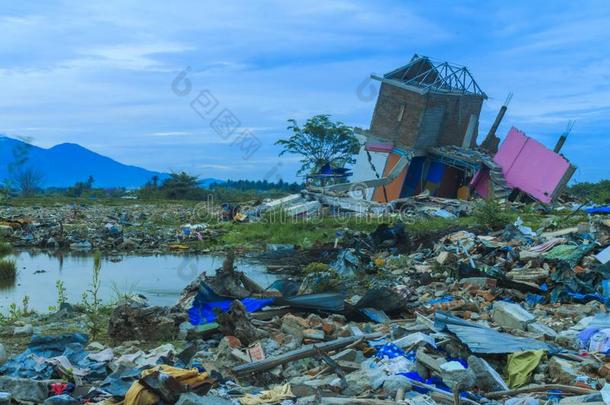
(159, 278)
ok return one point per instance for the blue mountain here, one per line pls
(65, 164)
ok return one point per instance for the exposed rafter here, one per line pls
(429, 75)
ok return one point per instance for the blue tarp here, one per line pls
(206, 301)
(70, 345)
(204, 313)
(602, 209)
(434, 381)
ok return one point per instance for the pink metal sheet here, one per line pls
(527, 165)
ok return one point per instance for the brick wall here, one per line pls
(385, 121)
(405, 132)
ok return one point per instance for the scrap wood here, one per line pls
(541, 388)
(303, 352)
(356, 343)
(575, 357)
(343, 364)
(334, 366)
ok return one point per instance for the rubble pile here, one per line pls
(515, 316)
(131, 228)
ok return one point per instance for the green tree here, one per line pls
(598, 192)
(80, 188)
(181, 186)
(150, 189)
(320, 141)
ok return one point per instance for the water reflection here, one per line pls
(159, 278)
(8, 273)
(7, 283)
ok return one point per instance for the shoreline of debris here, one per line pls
(512, 316)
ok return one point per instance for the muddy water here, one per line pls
(159, 278)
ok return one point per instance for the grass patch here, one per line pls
(423, 226)
(295, 231)
(491, 214)
(320, 230)
(5, 249)
(8, 270)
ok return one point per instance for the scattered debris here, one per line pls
(513, 314)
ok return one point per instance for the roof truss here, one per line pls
(424, 73)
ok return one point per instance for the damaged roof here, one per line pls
(426, 74)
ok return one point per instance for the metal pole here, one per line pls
(490, 142)
(563, 137)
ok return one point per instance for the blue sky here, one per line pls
(101, 75)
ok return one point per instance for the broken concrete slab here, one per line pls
(541, 329)
(511, 316)
(488, 379)
(455, 375)
(563, 371)
(24, 389)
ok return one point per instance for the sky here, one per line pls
(207, 87)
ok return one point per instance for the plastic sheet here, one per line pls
(204, 312)
(602, 209)
(521, 365)
(71, 346)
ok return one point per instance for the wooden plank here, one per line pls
(303, 352)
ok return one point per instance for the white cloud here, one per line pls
(140, 57)
(99, 73)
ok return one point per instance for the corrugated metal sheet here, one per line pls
(480, 339)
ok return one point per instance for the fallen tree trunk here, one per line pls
(236, 322)
(540, 388)
(303, 352)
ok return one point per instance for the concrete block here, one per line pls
(511, 316)
(563, 371)
(541, 329)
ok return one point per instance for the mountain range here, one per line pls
(67, 163)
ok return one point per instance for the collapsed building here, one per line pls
(423, 138)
